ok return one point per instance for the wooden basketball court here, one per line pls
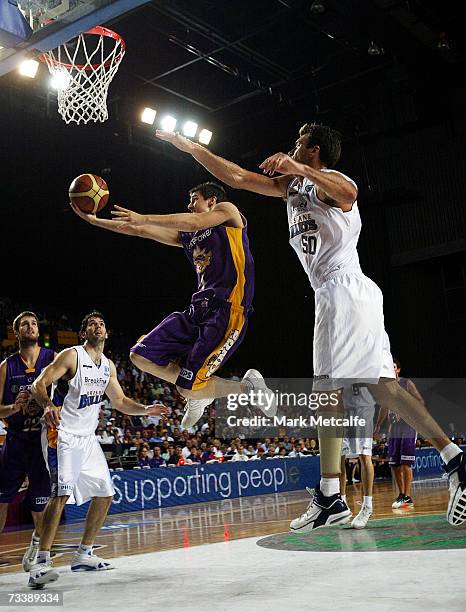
(196, 524)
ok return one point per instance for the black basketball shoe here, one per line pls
(322, 512)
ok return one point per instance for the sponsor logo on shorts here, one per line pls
(141, 345)
(322, 377)
(186, 374)
(41, 500)
(216, 360)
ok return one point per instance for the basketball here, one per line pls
(89, 192)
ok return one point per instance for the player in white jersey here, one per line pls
(81, 376)
(350, 343)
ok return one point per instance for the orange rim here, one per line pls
(97, 31)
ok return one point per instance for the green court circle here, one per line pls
(393, 534)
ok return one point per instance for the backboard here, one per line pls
(57, 21)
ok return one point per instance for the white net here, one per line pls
(82, 72)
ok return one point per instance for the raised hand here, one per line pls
(89, 217)
(281, 163)
(127, 216)
(157, 410)
(176, 139)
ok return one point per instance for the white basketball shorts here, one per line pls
(350, 341)
(77, 466)
(358, 439)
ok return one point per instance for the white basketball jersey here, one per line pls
(324, 237)
(81, 396)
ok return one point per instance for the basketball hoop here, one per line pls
(83, 71)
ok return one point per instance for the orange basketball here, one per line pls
(89, 192)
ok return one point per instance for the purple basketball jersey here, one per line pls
(398, 427)
(223, 262)
(20, 378)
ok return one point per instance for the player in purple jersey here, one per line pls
(187, 347)
(349, 306)
(401, 444)
(22, 450)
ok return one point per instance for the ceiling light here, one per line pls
(60, 80)
(168, 123)
(205, 136)
(190, 129)
(28, 68)
(148, 115)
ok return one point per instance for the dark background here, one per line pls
(402, 118)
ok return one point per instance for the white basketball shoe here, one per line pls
(30, 556)
(194, 411)
(266, 399)
(42, 573)
(88, 562)
(456, 470)
(361, 520)
(322, 512)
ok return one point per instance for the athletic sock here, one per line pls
(43, 556)
(343, 497)
(367, 501)
(84, 549)
(35, 538)
(450, 451)
(329, 486)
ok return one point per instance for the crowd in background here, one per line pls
(154, 441)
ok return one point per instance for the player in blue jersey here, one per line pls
(22, 451)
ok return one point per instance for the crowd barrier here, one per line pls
(165, 487)
(428, 464)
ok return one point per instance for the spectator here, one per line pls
(157, 460)
(194, 457)
(168, 452)
(240, 454)
(187, 449)
(177, 458)
(144, 459)
(259, 455)
(208, 454)
(270, 454)
(103, 436)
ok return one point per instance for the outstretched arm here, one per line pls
(163, 235)
(125, 404)
(225, 212)
(332, 188)
(229, 173)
